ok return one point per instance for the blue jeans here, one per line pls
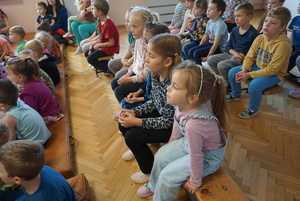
(171, 168)
(186, 48)
(82, 31)
(199, 51)
(255, 87)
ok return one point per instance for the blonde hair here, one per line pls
(282, 13)
(47, 36)
(167, 45)
(36, 46)
(208, 86)
(145, 14)
(18, 30)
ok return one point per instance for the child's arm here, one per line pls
(185, 21)
(11, 122)
(126, 57)
(204, 39)
(213, 48)
(5, 51)
(109, 43)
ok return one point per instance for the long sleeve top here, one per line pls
(271, 56)
(158, 101)
(187, 21)
(178, 16)
(198, 28)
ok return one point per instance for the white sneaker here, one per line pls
(68, 35)
(295, 93)
(128, 155)
(78, 50)
(140, 177)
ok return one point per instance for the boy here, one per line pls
(46, 61)
(228, 15)
(54, 48)
(271, 4)
(265, 63)
(23, 122)
(109, 40)
(216, 34)
(241, 39)
(22, 162)
(295, 36)
(16, 35)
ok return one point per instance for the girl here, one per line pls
(196, 147)
(119, 67)
(178, 17)
(125, 90)
(35, 93)
(197, 30)
(45, 39)
(152, 121)
(188, 17)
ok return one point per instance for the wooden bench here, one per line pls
(58, 152)
(219, 187)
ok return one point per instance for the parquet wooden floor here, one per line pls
(262, 156)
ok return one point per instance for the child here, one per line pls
(265, 63)
(197, 144)
(4, 133)
(22, 162)
(44, 77)
(45, 39)
(16, 35)
(54, 47)
(178, 17)
(228, 15)
(137, 72)
(85, 16)
(41, 9)
(216, 34)
(35, 93)
(295, 36)
(296, 93)
(109, 40)
(119, 67)
(197, 31)
(271, 4)
(23, 121)
(188, 17)
(46, 61)
(6, 50)
(152, 121)
(241, 39)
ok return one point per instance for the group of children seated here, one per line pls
(163, 99)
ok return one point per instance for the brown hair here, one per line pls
(44, 26)
(36, 46)
(26, 67)
(282, 13)
(221, 5)
(4, 133)
(22, 158)
(211, 89)
(18, 30)
(201, 4)
(101, 5)
(8, 92)
(167, 45)
(248, 8)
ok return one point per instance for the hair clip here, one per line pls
(201, 83)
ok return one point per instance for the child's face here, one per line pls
(177, 92)
(13, 37)
(147, 35)
(273, 4)
(12, 77)
(189, 4)
(43, 39)
(127, 21)
(41, 10)
(4, 175)
(272, 27)
(241, 18)
(95, 12)
(212, 11)
(136, 26)
(154, 60)
(198, 12)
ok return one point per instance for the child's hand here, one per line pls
(127, 120)
(134, 99)
(240, 56)
(242, 77)
(124, 80)
(190, 187)
(203, 59)
(185, 41)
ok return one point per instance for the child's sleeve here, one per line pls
(180, 22)
(229, 44)
(185, 21)
(250, 58)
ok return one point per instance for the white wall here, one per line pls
(292, 5)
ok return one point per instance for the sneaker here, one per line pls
(116, 116)
(68, 35)
(232, 98)
(71, 42)
(140, 177)
(144, 191)
(128, 156)
(295, 94)
(78, 50)
(248, 114)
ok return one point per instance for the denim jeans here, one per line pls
(186, 48)
(255, 87)
(171, 168)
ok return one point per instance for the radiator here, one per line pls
(165, 8)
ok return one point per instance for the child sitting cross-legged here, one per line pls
(16, 35)
(266, 62)
(22, 162)
(197, 144)
(35, 93)
(23, 121)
